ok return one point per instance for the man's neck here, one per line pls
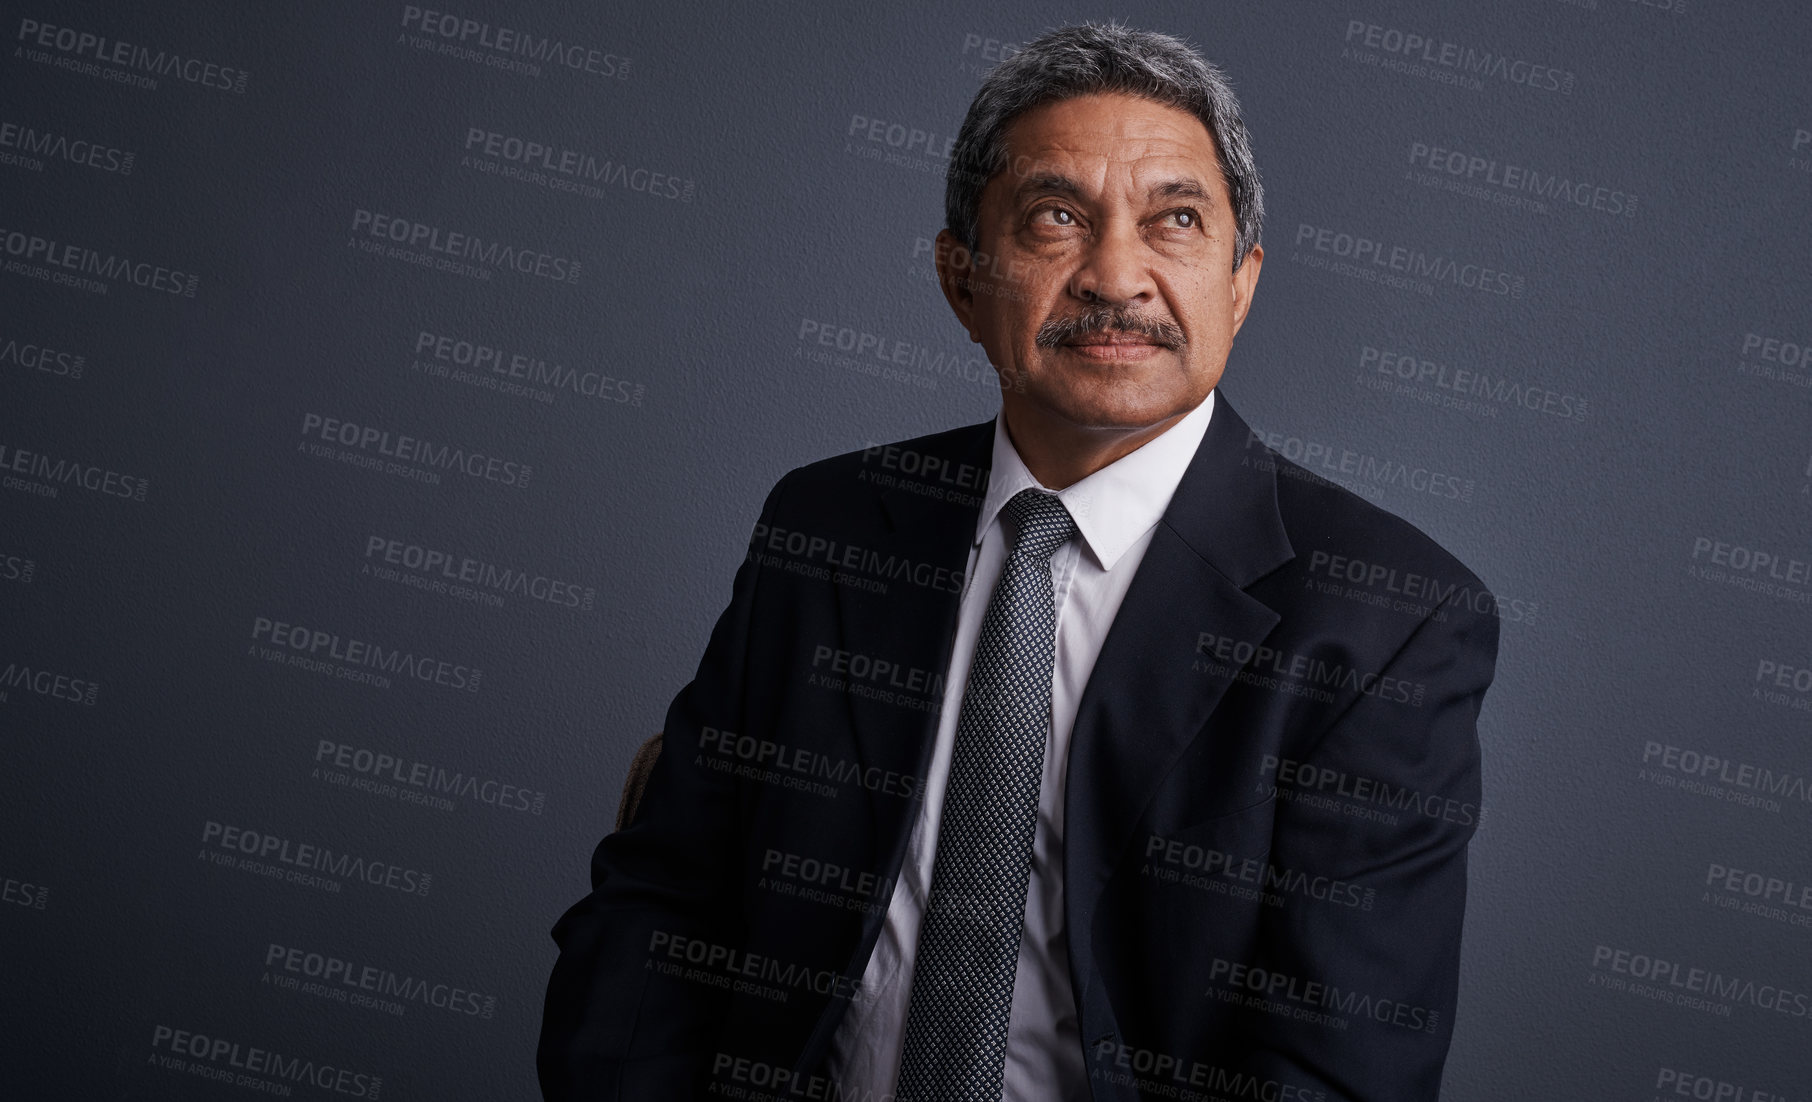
(1060, 453)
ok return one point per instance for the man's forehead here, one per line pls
(1086, 138)
(1106, 119)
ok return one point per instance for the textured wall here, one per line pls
(1536, 279)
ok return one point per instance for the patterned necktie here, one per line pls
(955, 1047)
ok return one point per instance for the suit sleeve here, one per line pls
(612, 1029)
(1406, 776)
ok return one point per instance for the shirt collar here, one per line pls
(1118, 503)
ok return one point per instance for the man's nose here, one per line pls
(1115, 268)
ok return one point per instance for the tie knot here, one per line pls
(1042, 520)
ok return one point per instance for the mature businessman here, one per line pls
(1091, 752)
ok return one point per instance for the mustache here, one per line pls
(1107, 317)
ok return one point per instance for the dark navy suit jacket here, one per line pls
(1273, 779)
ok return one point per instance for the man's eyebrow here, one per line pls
(1047, 183)
(1053, 183)
(1184, 187)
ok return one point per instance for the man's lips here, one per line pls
(1091, 339)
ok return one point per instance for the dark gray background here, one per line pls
(115, 923)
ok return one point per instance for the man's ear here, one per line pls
(955, 269)
(1245, 285)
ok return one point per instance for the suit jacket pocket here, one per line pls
(1217, 843)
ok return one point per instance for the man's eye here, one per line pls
(1058, 216)
(1186, 219)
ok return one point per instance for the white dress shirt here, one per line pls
(1116, 509)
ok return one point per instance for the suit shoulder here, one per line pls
(1335, 529)
(938, 455)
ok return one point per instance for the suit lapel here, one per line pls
(911, 625)
(1146, 699)
(915, 627)
(1144, 702)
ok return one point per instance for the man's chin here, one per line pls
(1098, 411)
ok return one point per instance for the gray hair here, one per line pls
(1087, 58)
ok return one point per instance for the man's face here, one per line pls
(1103, 287)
